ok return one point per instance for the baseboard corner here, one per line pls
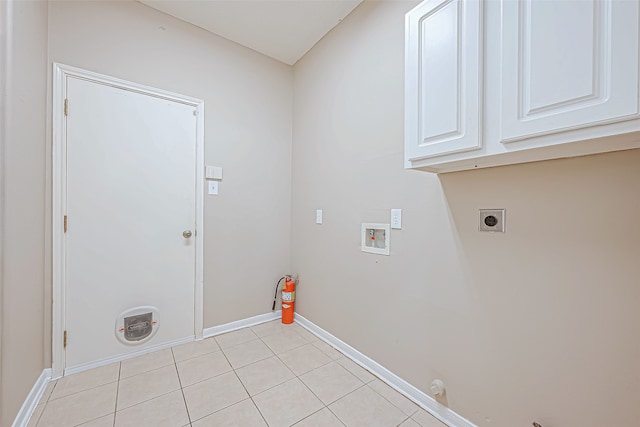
(30, 403)
(239, 324)
(423, 400)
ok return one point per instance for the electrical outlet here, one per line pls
(492, 220)
(396, 218)
(318, 216)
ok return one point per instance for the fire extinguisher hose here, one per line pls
(275, 297)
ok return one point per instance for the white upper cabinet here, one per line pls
(442, 78)
(567, 65)
(499, 82)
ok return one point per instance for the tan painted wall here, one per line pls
(247, 132)
(23, 214)
(540, 323)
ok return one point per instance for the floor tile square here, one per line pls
(409, 423)
(328, 350)
(357, 370)
(106, 421)
(146, 363)
(195, 349)
(147, 386)
(331, 382)
(247, 353)
(201, 368)
(35, 416)
(275, 403)
(47, 391)
(80, 407)
(307, 335)
(322, 418)
(236, 337)
(206, 397)
(425, 419)
(209, 383)
(399, 401)
(263, 375)
(244, 414)
(284, 341)
(268, 328)
(85, 380)
(304, 359)
(166, 410)
(366, 408)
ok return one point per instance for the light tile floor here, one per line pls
(267, 375)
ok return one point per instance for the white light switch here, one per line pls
(396, 218)
(213, 187)
(318, 216)
(213, 172)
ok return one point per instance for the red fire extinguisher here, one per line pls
(288, 300)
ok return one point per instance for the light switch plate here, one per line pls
(318, 216)
(213, 172)
(213, 188)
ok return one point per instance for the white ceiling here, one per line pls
(282, 29)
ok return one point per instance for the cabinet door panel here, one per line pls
(567, 64)
(442, 78)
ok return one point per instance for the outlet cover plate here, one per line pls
(396, 219)
(493, 220)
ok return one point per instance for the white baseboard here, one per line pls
(439, 411)
(209, 332)
(120, 358)
(239, 324)
(30, 403)
(428, 403)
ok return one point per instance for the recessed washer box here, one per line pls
(375, 238)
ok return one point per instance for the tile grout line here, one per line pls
(393, 404)
(307, 387)
(241, 383)
(82, 391)
(45, 403)
(235, 370)
(366, 384)
(337, 417)
(310, 415)
(403, 421)
(251, 397)
(117, 391)
(184, 399)
(49, 400)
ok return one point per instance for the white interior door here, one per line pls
(131, 193)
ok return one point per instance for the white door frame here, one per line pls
(60, 74)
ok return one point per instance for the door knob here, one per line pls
(186, 234)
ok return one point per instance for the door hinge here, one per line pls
(64, 342)
(65, 223)
(66, 107)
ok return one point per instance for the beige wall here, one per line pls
(23, 215)
(540, 323)
(247, 132)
